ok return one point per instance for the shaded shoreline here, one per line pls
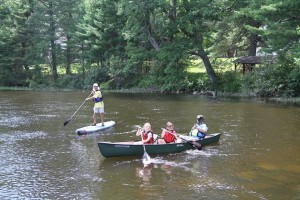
(295, 101)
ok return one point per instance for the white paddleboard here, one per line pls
(91, 129)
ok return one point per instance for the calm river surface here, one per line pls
(257, 156)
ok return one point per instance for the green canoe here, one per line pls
(116, 149)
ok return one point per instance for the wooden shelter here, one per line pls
(248, 62)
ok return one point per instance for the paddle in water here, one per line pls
(68, 120)
(146, 158)
(195, 144)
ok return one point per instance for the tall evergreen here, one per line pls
(197, 21)
(102, 36)
(281, 31)
(153, 45)
(234, 34)
(69, 15)
(43, 23)
(14, 42)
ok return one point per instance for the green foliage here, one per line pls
(196, 82)
(42, 78)
(95, 75)
(229, 82)
(276, 80)
(287, 76)
(39, 78)
(13, 77)
(13, 36)
(121, 76)
(101, 31)
(139, 43)
(248, 83)
(279, 24)
(259, 82)
(71, 81)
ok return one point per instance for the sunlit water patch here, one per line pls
(120, 133)
(21, 135)
(47, 116)
(206, 152)
(82, 166)
(21, 174)
(14, 119)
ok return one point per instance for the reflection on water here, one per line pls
(256, 158)
(144, 172)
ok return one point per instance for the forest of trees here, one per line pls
(149, 44)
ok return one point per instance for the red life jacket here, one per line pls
(169, 137)
(145, 136)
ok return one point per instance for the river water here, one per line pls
(257, 156)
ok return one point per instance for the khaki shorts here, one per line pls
(98, 110)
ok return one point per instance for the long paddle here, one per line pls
(146, 158)
(67, 121)
(196, 145)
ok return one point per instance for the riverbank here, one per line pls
(287, 101)
(295, 100)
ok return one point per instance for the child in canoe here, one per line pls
(169, 135)
(147, 135)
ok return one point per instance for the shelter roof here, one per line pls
(254, 59)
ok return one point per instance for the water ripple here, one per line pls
(13, 119)
(20, 135)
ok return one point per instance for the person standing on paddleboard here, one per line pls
(99, 104)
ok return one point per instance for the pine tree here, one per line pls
(281, 31)
(15, 36)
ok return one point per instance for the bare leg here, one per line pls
(161, 141)
(94, 118)
(102, 118)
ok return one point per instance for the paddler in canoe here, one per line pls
(147, 135)
(200, 129)
(168, 135)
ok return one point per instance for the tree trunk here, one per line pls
(253, 39)
(83, 60)
(68, 56)
(230, 53)
(252, 45)
(23, 52)
(148, 31)
(52, 42)
(212, 77)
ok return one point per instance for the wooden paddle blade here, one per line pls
(146, 159)
(146, 156)
(66, 122)
(197, 145)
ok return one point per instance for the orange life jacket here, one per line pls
(169, 137)
(145, 136)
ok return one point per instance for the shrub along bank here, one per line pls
(279, 81)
